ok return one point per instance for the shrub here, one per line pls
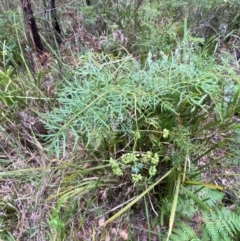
(9, 46)
(168, 110)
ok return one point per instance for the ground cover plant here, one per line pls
(126, 127)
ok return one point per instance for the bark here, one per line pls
(32, 26)
(88, 2)
(55, 23)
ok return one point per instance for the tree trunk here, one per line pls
(32, 26)
(88, 2)
(55, 23)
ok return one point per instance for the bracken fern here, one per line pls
(216, 225)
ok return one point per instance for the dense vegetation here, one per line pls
(124, 124)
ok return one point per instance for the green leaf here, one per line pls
(196, 199)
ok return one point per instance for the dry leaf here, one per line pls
(86, 165)
(83, 204)
(123, 234)
(114, 231)
(107, 238)
(103, 193)
(101, 222)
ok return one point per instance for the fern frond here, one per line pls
(221, 224)
(210, 196)
(184, 233)
(218, 225)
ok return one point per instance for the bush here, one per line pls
(167, 110)
(9, 46)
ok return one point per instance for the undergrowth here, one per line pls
(133, 115)
(130, 131)
(218, 224)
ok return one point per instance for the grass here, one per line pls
(124, 127)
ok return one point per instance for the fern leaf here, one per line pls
(221, 224)
(184, 233)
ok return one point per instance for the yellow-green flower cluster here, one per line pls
(155, 159)
(165, 133)
(115, 167)
(129, 158)
(136, 177)
(137, 162)
(152, 171)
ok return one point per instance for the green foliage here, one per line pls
(9, 212)
(11, 96)
(188, 207)
(137, 163)
(167, 109)
(151, 111)
(10, 91)
(9, 47)
(109, 100)
(59, 218)
(219, 223)
(216, 225)
(184, 233)
(211, 197)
